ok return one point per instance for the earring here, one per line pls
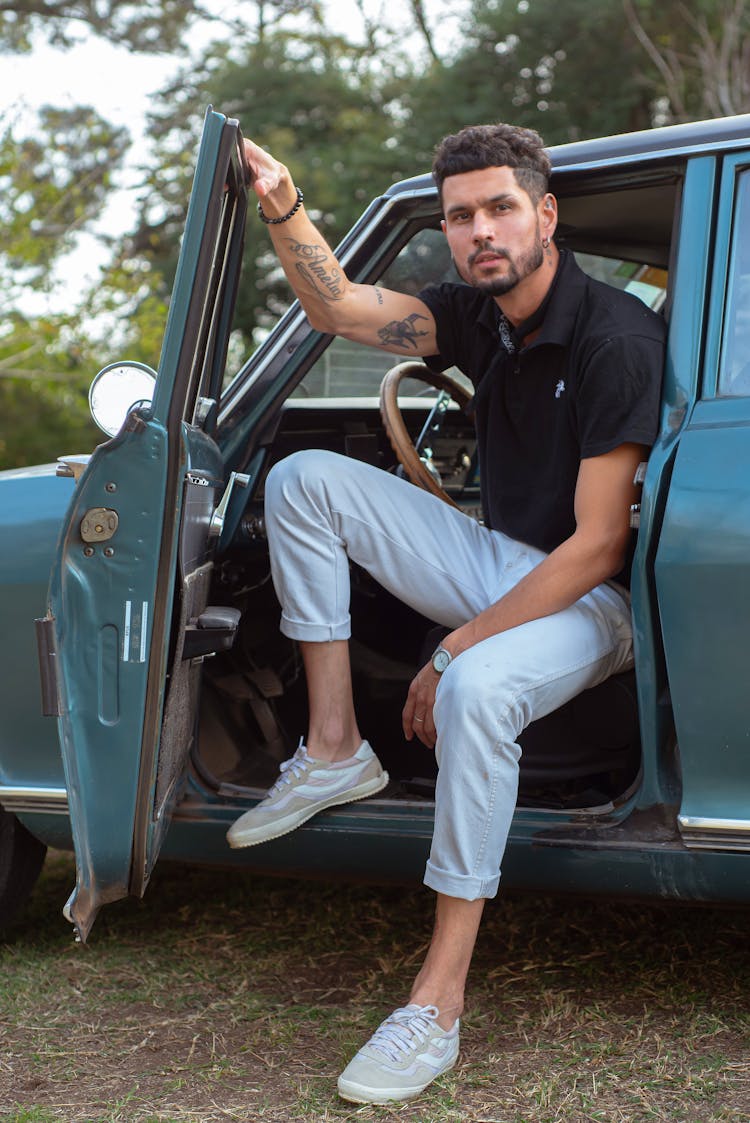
(545, 243)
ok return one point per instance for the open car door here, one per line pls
(128, 621)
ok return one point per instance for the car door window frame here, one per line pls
(734, 173)
(735, 305)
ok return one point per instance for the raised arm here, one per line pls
(364, 313)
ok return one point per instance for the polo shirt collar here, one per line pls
(556, 315)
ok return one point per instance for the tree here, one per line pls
(154, 27)
(54, 182)
(45, 368)
(570, 70)
(317, 107)
(56, 176)
(699, 56)
(347, 118)
(578, 69)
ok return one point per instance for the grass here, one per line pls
(224, 997)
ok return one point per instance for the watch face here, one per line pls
(441, 659)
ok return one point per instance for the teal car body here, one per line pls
(170, 696)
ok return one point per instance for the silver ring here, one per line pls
(419, 719)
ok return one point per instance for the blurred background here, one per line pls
(101, 105)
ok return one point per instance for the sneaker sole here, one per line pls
(359, 1094)
(256, 835)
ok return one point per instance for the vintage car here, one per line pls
(147, 570)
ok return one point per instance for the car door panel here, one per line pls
(119, 608)
(703, 562)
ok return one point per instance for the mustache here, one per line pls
(487, 247)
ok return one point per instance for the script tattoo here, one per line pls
(313, 267)
(402, 333)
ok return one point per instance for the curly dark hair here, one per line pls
(495, 146)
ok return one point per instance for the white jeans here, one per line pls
(321, 510)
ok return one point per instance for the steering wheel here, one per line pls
(419, 468)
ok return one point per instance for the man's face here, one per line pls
(493, 228)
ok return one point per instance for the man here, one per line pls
(566, 374)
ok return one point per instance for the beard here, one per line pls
(523, 265)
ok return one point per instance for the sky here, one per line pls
(120, 84)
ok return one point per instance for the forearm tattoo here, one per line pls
(402, 333)
(314, 269)
(318, 271)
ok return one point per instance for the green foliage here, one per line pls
(45, 369)
(317, 107)
(127, 313)
(696, 56)
(347, 119)
(155, 27)
(569, 70)
(53, 184)
(47, 363)
(324, 117)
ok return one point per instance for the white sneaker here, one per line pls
(305, 787)
(405, 1054)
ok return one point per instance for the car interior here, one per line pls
(253, 701)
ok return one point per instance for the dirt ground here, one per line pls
(223, 997)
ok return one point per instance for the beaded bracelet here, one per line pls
(285, 217)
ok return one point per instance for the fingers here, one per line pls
(428, 734)
(417, 716)
(265, 171)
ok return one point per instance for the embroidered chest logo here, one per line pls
(560, 388)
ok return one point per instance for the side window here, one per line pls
(648, 282)
(734, 365)
(351, 370)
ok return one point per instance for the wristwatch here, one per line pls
(441, 659)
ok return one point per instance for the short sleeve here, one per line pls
(463, 325)
(619, 392)
(439, 300)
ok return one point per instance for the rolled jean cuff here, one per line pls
(460, 885)
(315, 633)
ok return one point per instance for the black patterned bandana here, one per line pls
(506, 335)
(512, 338)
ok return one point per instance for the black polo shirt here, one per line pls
(589, 381)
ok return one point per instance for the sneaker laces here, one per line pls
(292, 768)
(395, 1037)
